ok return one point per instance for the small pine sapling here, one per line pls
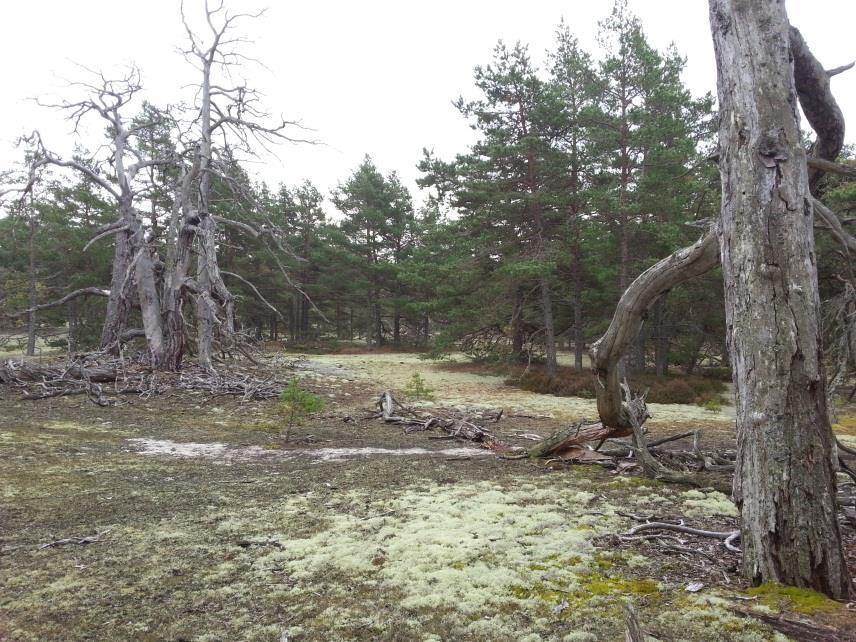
(417, 389)
(296, 404)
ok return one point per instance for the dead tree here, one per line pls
(164, 291)
(785, 479)
(132, 267)
(232, 114)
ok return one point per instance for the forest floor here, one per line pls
(207, 525)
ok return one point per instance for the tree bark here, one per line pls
(577, 302)
(785, 478)
(33, 290)
(549, 328)
(118, 302)
(517, 326)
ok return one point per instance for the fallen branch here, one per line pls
(453, 423)
(90, 539)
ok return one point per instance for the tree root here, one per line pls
(728, 537)
(102, 379)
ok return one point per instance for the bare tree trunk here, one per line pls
(517, 326)
(577, 300)
(662, 337)
(31, 317)
(785, 479)
(549, 329)
(118, 302)
(213, 296)
(150, 309)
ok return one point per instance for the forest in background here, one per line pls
(585, 172)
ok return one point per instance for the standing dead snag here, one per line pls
(132, 258)
(785, 480)
(165, 291)
(232, 113)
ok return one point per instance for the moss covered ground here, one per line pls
(365, 547)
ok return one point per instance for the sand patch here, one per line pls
(226, 454)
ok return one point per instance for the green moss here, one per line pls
(602, 585)
(792, 598)
(846, 424)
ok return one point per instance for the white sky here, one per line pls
(374, 77)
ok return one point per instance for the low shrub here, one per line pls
(677, 389)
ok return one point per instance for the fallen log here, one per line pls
(454, 423)
(25, 371)
(566, 438)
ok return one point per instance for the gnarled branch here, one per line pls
(91, 291)
(606, 352)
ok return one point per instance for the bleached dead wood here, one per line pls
(453, 423)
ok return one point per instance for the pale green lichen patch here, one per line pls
(697, 503)
(460, 547)
(709, 618)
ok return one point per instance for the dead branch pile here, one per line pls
(455, 424)
(667, 464)
(494, 340)
(103, 378)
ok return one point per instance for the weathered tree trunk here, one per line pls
(577, 302)
(213, 296)
(785, 478)
(150, 308)
(118, 302)
(33, 291)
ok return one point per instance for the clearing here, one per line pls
(198, 522)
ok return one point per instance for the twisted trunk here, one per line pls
(630, 313)
(118, 302)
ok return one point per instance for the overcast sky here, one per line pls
(371, 77)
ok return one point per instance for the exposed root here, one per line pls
(102, 379)
(728, 537)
